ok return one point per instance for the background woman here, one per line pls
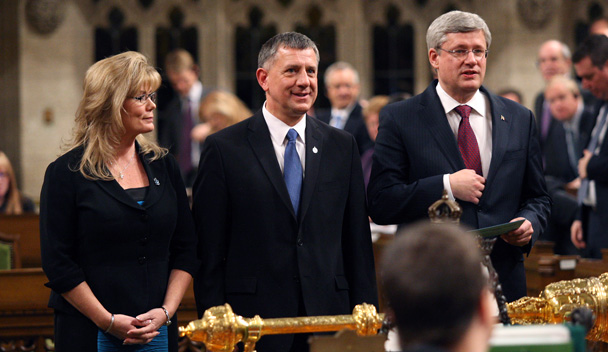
(11, 200)
(218, 110)
(117, 237)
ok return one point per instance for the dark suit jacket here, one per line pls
(555, 151)
(415, 147)
(588, 99)
(257, 255)
(170, 126)
(597, 170)
(355, 125)
(94, 231)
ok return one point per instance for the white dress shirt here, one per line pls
(481, 123)
(278, 134)
(344, 115)
(194, 100)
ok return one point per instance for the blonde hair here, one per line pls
(375, 105)
(12, 197)
(568, 83)
(98, 126)
(226, 104)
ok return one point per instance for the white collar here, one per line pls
(278, 129)
(194, 95)
(477, 102)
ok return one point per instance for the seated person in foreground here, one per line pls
(437, 293)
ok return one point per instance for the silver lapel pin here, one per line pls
(156, 181)
(315, 150)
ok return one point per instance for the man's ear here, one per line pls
(262, 75)
(433, 58)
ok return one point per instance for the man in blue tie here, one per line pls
(589, 231)
(279, 205)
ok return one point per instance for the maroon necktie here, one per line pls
(467, 143)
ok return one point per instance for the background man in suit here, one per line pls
(554, 59)
(342, 88)
(434, 311)
(279, 205)
(563, 147)
(176, 120)
(591, 64)
(481, 148)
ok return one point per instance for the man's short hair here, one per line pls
(595, 47)
(179, 60)
(433, 281)
(291, 40)
(455, 22)
(339, 66)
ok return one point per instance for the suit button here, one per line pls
(296, 278)
(300, 242)
(143, 240)
(144, 217)
(141, 260)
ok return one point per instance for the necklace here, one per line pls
(121, 173)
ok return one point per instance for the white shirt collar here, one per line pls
(194, 95)
(477, 102)
(345, 113)
(278, 129)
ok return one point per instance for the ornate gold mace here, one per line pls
(557, 301)
(220, 329)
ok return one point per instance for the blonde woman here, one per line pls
(218, 110)
(11, 200)
(117, 237)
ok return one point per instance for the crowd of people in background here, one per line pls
(297, 192)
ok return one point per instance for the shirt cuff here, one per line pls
(446, 186)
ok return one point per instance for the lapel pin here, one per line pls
(502, 117)
(315, 150)
(156, 181)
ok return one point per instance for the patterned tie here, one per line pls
(582, 191)
(185, 143)
(467, 143)
(293, 170)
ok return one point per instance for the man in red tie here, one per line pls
(483, 149)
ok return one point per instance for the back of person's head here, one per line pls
(511, 94)
(99, 126)
(595, 47)
(375, 104)
(224, 106)
(455, 22)
(433, 281)
(179, 60)
(9, 190)
(291, 40)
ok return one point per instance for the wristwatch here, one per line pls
(168, 322)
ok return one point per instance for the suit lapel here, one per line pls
(501, 124)
(314, 150)
(435, 119)
(258, 136)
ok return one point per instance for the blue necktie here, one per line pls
(582, 192)
(293, 170)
